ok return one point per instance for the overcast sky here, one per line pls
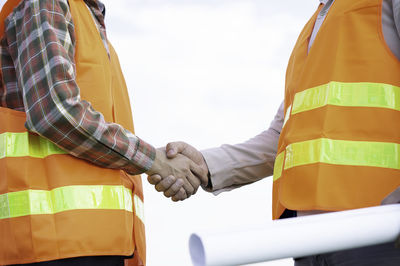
(206, 72)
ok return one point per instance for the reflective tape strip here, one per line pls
(34, 202)
(25, 144)
(278, 167)
(343, 152)
(348, 94)
(139, 207)
(287, 115)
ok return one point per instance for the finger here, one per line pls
(154, 179)
(188, 187)
(181, 195)
(194, 181)
(173, 148)
(174, 188)
(165, 184)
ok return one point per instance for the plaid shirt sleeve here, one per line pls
(46, 73)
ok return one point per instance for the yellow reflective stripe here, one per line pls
(343, 152)
(287, 115)
(278, 167)
(348, 94)
(139, 207)
(34, 202)
(25, 144)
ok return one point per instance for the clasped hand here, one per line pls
(178, 171)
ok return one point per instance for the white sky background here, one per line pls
(206, 72)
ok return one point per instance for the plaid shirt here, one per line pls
(38, 77)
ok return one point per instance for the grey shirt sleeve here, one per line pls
(396, 15)
(391, 25)
(232, 166)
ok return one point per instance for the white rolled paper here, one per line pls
(298, 237)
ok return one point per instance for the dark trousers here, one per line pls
(379, 255)
(82, 261)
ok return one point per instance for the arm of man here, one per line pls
(45, 68)
(231, 166)
(43, 53)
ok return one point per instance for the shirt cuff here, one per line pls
(142, 160)
(220, 168)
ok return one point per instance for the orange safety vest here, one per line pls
(340, 144)
(54, 205)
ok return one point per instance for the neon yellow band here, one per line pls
(34, 202)
(348, 94)
(343, 152)
(139, 207)
(278, 167)
(25, 144)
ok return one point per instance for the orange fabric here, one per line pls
(349, 47)
(63, 235)
(79, 232)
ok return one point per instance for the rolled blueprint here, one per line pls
(298, 237)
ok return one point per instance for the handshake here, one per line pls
(178, 171)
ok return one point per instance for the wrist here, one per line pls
(156, 166)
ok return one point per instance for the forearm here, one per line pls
(232, 166)
(46, 73)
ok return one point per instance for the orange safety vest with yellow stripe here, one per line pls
(340, 144)
(53, 205)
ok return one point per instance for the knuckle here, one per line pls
(169, 181)
(175, 188)
(170, 144)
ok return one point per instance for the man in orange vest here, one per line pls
(70, 193)
(334, 143)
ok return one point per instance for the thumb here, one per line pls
(173, 148)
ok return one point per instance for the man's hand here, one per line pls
(169, 184)
(177, 178)
(175, 148)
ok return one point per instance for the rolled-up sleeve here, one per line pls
(44, 59)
